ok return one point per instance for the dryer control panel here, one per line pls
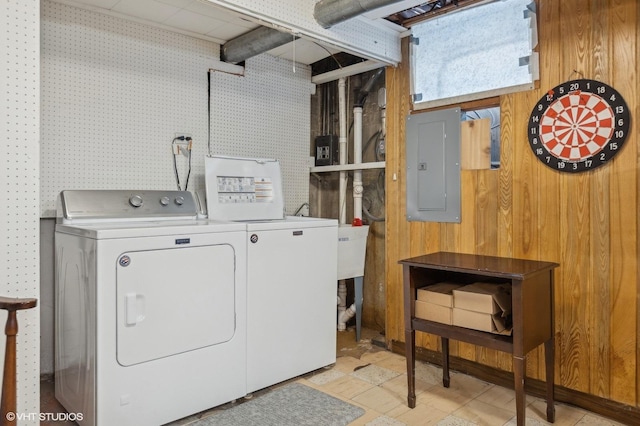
(125, 204)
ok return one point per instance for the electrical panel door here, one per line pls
(433, 166)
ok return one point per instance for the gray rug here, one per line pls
(290, 405)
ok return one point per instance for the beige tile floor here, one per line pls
(375, 379)
(377, 382)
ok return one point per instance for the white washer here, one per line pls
(291, 298)
(291, 271)
(150, 314)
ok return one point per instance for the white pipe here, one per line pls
(342, 301)
(346, 316)
(357, 159)
(342, 150)
(342, 198)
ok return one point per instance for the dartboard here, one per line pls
(578, 125)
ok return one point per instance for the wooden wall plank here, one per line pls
(486, 237)
(637, 169)
(624, 211)
(475, 144)
(599, 308)
(552, 61)
(574, 220)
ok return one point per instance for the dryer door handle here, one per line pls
(134, 308)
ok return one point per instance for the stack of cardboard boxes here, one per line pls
(435, 302)
(481, 306)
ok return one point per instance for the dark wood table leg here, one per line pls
(446, 381)
(549, 360)
(410, 350)
(518, 378)
(8, 401)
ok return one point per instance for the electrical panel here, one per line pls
(433, 166)
(327, 150)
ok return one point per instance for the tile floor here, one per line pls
(375, 379)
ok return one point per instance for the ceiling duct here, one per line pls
(253, 43)
(331, 12)
(263, 39)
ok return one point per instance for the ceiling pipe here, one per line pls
(253, 43)
(263, 39)
(331, 12)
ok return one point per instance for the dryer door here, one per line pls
(174, 300)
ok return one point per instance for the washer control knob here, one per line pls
(179, 200)
(164, 201)
(136, 201)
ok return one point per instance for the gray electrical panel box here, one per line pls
(433, 166)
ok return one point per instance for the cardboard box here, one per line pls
(433, 312)
(487, 298)
(438, 294)
(492, 323)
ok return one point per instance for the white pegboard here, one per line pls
(19, 208)
(115, 92)
(273, 121)
(358, 35)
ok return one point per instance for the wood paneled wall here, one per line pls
(587, 222)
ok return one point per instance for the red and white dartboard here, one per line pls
(578, 125)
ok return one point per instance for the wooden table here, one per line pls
(532, 308)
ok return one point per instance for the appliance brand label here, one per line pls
(183, 241)
(253, 238)
(124, 261)
(296, 233)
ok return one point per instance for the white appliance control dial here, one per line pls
(136, 201)
(179, 200)
(164, 201)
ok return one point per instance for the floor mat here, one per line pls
(291, 405)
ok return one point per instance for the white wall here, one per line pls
(19, 206)
(114, 92)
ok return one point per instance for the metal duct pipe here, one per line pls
(254, 43)
(331, 12)
(326, 12)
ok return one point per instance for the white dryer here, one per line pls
(150, 307)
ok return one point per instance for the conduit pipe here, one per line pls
(342, 148)
(342, 190)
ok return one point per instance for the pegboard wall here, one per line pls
(115, 93)
(271, 120)
(19, 209)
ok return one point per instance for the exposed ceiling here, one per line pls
(206, 20)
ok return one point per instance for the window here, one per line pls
(474, 53)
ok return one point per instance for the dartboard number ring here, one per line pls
(578, 125)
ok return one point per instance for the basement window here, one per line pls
(474, 53)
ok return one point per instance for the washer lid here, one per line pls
(243, 188)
